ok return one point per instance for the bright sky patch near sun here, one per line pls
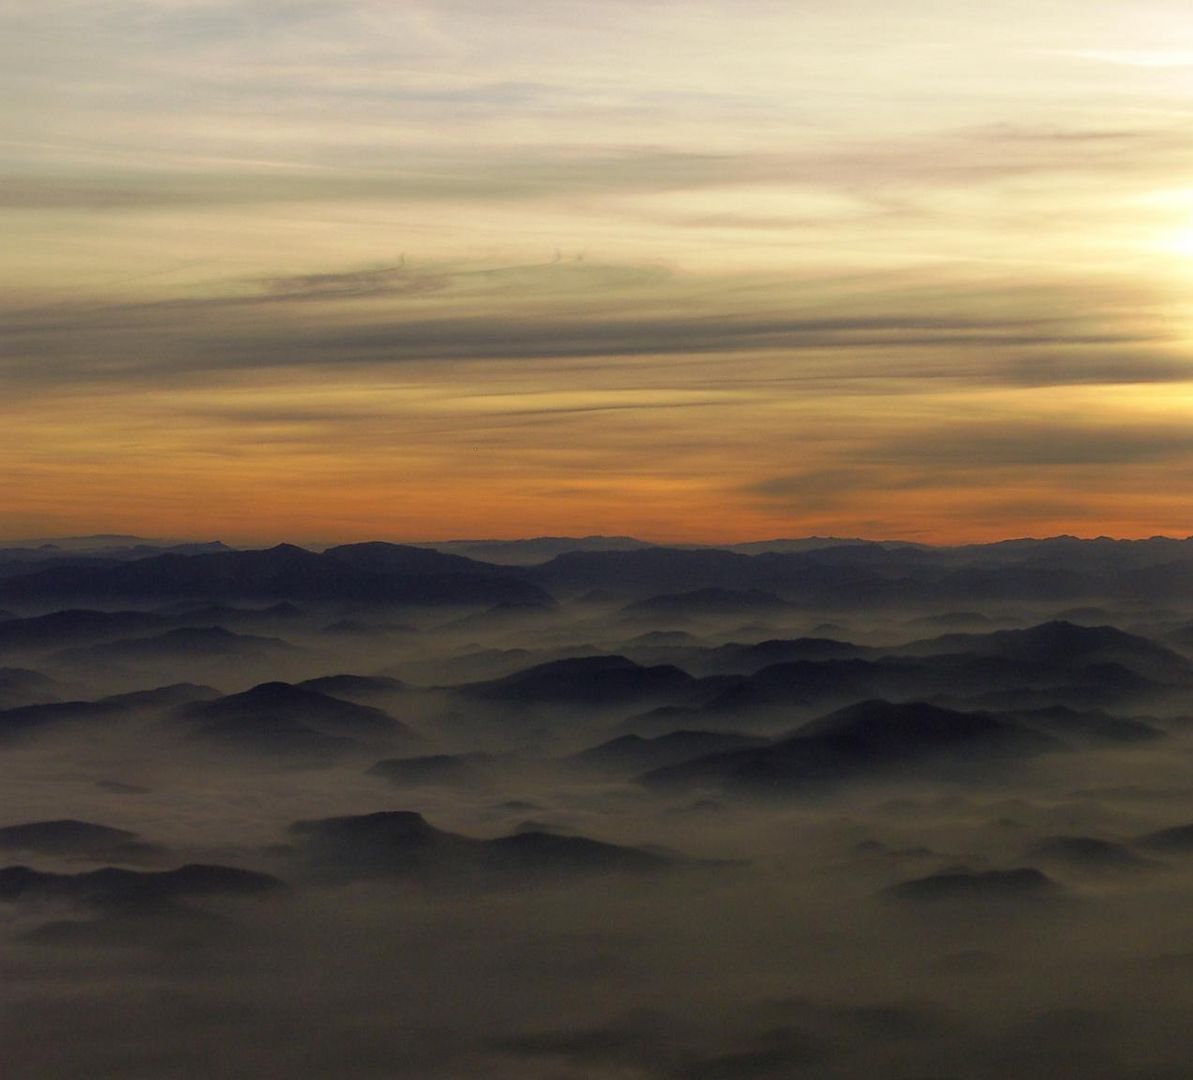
(691, 271)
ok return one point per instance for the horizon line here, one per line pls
(323, 544)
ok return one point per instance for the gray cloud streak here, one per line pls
(176, 338)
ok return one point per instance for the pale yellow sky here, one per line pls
(690, 271)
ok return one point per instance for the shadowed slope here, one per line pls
(1023, 883)
(869, 738)
(322, 712)
(70, 837)
(116, 888)
(403, 844)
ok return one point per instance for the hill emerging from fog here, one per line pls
(870, 738)
(403, 844)
(663, 805)
(277, 716)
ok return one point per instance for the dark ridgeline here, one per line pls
(278, 718)
(630, 754)
(591, 680)
(359, 688)
(360, 573)
(182, 643)
(872, 737)
(1021, 883)
(847, 575)
(115, 888)
(78, 838)
(402, 844)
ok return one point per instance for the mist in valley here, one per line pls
(646, 814)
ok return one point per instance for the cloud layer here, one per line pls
(459, 268)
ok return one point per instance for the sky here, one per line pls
(690, 271)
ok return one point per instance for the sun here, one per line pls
(1179, 242)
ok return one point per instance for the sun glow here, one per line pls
(1180, 241)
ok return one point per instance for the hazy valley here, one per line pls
(588, 809)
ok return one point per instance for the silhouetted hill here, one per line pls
(378, 557)
(1057, 664)
(113, 542)
(280, 572)
(1179, 838)
(90, 554)
(361, 573)
(1101, 554)
(16, 566)
(1064, 645)
(1062, 570)
(71, 837)
(279, 701)
(811, 683)
(804, 578)
(1029, 687)
(117, 888)
(536, 853)
(434, 769)
(185, 643)
(633, 754)
(747, 659)
(845, 576)
(798, 545)
(358, 688)
(535, 550)
(1089, 853)
(1023, 883)
(162, 697)
(593, 680)
(76, 627)
(884, 731)
(865, 739)
(32, 719)
(403, 844)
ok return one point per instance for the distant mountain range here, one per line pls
(357, 573)
(658, 582)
